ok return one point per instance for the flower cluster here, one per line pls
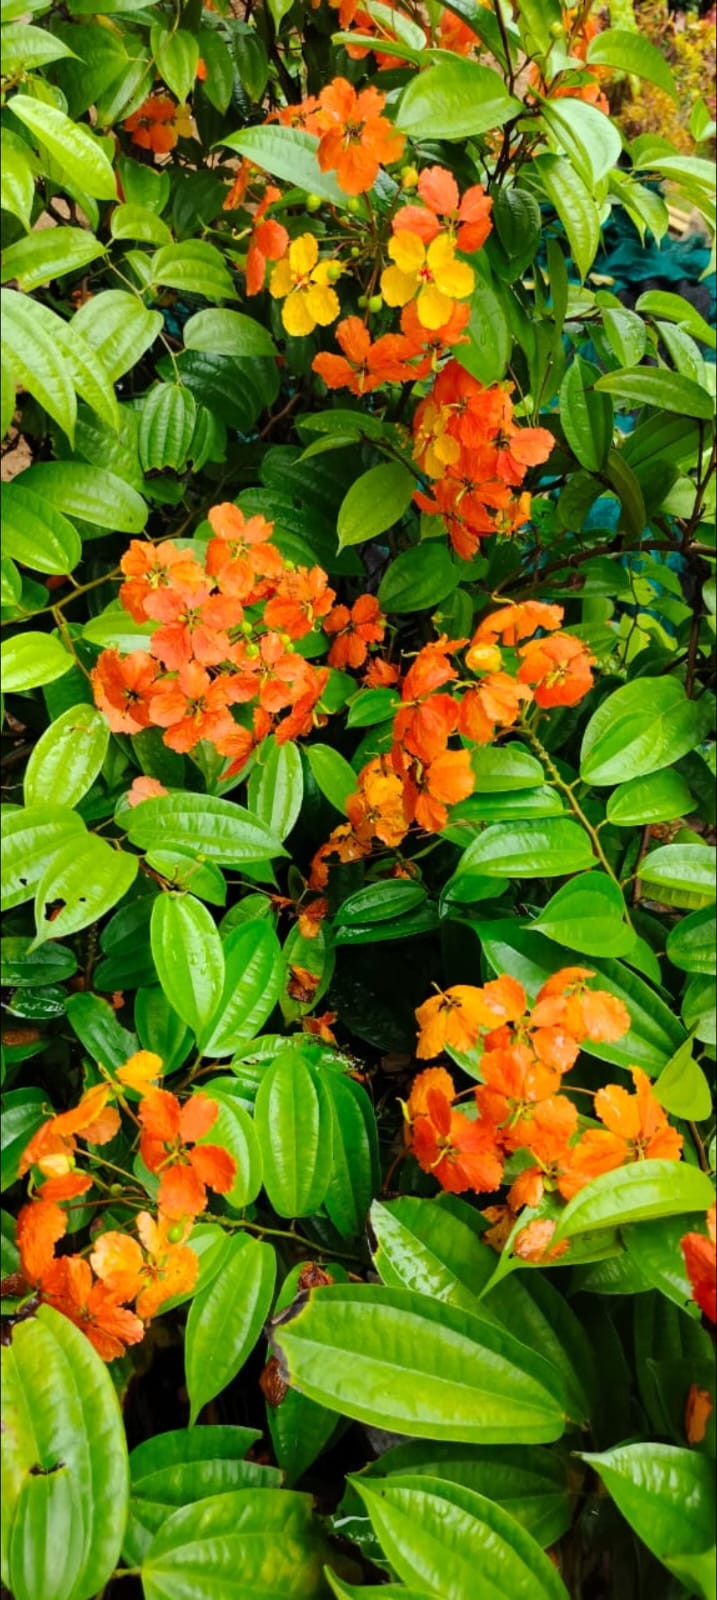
(423, 775)
(155, 1266)
(522, 1055)
(158, 123)
(226, 636)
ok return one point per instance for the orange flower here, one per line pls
(377, 809)
(698, 1410)
(321, 1027)
(547, 1132)
(455, 35)
(431, 789)
(452, 1017)
(153, 126)
(467, 219)
(195, 624)
(364, 366)
(269, 241)
(381, 675)
(148, 567)
(566, 1002)
(533, 1243)
(164, 1269)
(52, 1147)
(494, 703)
(433, 1081)
(461, 1154)
(168, 1130)
(39, 1226)
(557, 668)
(341, 846)
(635, 1128)
(145, 789)
(69, 1287)
(191, 707)
(515, 1081)
(354, 137)
(304, 717)
(121, 687)
(700, 1257)
(304, 598)
(354, 630)
(515, 622)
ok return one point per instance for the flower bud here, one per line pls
(409, 177)
(362, 302)
(376, 302)
(483, 657)
(175, 1234)
(353, 205)
(354, 252)
(252, 651)
(313, 202)
(334, 271)
(556, 30)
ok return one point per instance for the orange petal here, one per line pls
(198, 1115)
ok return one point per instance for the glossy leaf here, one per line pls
(177, 1469)
(588, 914)
(575, 207)
(36, 533)
(61, 1407)
(418, 578)
(91, 493)
(276, 787)
(118, 327)
(254, 975)
(288, 153)
(424, 1523)
(294, 1124)
(188, 955)
(23, 1112)
(456, 99)
(652, 386)
(627, 50)
(72, 146)
(333, 774)
(682, 1087)
(248, 1545)
(660, 797)
(585, 414)
(640, 728)
(543, 849)
(636, 1193)
(234, 1129)
(216, 829)
(87, 877)
(95, 1024)
(401, 1361)
(225, 1320)
(29, 660)
(25, 968)
(530, 1482)
(32, 836)
(166, 427)
(378, 902)
(31, 354)
(374, 503)
(667, 1496)
(355, 1169)
(67, 758)
(685, 869)
(691, 944)
(229, 333)
(40, 257)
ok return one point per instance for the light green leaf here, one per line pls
(290, 154)
(673, 307)
(685, 869)
(333, 774)
(176, 52)
(139, 222)
(402, 1361)
(36, 533)
(30, 839)
(195, 267)
(79, 155)
(682, 1087)
(25, 47)
(17, 179)
(90, 493)
(248, 1545)
(30, 348)
(691, 944)
(660, 797)
(88, 877)
(179, 1468)
(626, 335)
(254, 979)
(228, 333)
(188, 955)
(60, 1406)
(529, 1482)
(422, 1246)
(644, 726)
(375, 502)
(536, 850)
(47, 254)
(456, 99)
(628, 51)
(32, 659)
(67, 758)
(588, 915)
(234, 1130)
(215, 829)
(276, 786)
(225, 1320)
(294, 1124)
(588, 138)
(166, 427)
(89, 375)
(575, 207)
(118, 327)
(656, 386)
(667, 1495)
(636, 1193)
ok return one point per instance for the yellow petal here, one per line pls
(303, 254)
(296, 316)
(398, 287)
(456, 279)
(323, 304)
(407, 250)
(281, 280)
(433, 307)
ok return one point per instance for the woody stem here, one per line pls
(567, 789)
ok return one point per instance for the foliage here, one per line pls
(358, 590)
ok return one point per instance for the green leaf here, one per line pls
(684, 869)
(179, 1468)
(234, 1129)
(31, 659)
(654, 1248)
(666, 1494)
(30, 839)
(659, 303)
(176, 52)
(660, 797)
(487, 353)
(499, 771)
(637, 1193)
(17, 179)
(36, 533)
(219, 81)
(427, 1527)
(644, 726)
(89, 375)
(656, 386)
(30, 349)
(537, 17)
(541, 849)
(276, 786)
(47, 254)
(691, 944)
(575, 207)
(589, 139)
(61, 1408)
(293, 1120)
(290, 154)
(418, 578)
(23, 1112)
(139, 222)
(90, 493)
(378, 902)
(333, 774)
(158, 1026)
(588, 915)
(23, 968)
(189, 958)
(166, 427)
(194, 267)
(45, 1558)
(228, 333)
(87, 877)
(248, 1545)
(423, 1246)
(375, 502)
(355, 1169)
(118, 327)
(626, 334)
(216, 830)
(25, 47)
(79, 155)
(456, 99)
(253, 982)
(530, 1483)
(67, 758)
(96, 1026)
(225, 1320)
(401, 1361)
(682, 1087)
(586, 416)
(628, 50)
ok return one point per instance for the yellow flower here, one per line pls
(303, 283)
(432, 273)
(183, 125)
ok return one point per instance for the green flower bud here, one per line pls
(376, 302)
(313, 202)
